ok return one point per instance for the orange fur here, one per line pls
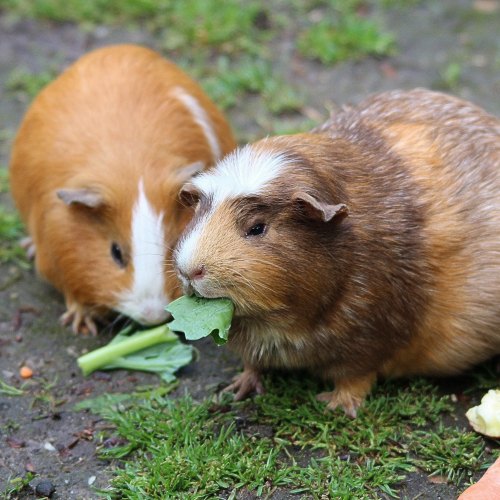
(453, 350)
(108, 120)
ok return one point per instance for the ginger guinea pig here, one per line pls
(370, 246)
(95, 171)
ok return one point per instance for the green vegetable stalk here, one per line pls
(159, 349)
(125, 345)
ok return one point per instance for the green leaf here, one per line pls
(155, 350)
(164, 359)
(158, 349)
(198, 317)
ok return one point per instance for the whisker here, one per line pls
(168, 270)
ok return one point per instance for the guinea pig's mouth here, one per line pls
(208, 294)
(202, 289)
(187, 287)
(190, 289)
(205, 290)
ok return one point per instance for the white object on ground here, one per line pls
(485, 418)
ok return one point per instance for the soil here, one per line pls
(40, 431)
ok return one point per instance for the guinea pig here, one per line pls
(95, 171)
(368, 247)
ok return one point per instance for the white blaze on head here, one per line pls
(245, 172)
(145, 301)
(201, 118)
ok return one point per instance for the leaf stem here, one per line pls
(105, 355)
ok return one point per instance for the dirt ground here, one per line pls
(40, 431)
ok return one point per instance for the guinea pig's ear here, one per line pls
(184, 173)
(189, 195)
(85, 197)
(318, 210)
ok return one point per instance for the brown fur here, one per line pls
(107, 121)
(408, 283)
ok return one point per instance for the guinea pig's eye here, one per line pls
(257, 229)
(117, 254)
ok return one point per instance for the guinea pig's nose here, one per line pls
(197, 274)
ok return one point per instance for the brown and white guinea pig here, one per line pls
(370, 246)
(95, 171)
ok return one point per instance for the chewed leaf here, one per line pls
(197, 317)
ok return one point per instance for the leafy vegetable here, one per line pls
(159, 349)
(198, 317)
(165, 358)
(156, 350)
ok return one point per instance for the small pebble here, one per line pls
(13, 442)
(49, 447)
(44, 488)
(29, 467)
(91, 480)
(71, 350)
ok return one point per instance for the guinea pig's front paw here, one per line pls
(29, 247)
(80, 319)
(348, 395)
(245, 383)
(347, 402)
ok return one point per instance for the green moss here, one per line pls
(284, 440)
(450, 76)
(94, 11)
(336, 39)
(11, 230)
(28, 83)
(454, 453)
(228, 82)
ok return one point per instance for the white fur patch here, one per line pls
(244, 172)
(145, 301)
(187, 248)
(202, 119)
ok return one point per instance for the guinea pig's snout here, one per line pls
(189, 277)
(197, 273)
(192, 273)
